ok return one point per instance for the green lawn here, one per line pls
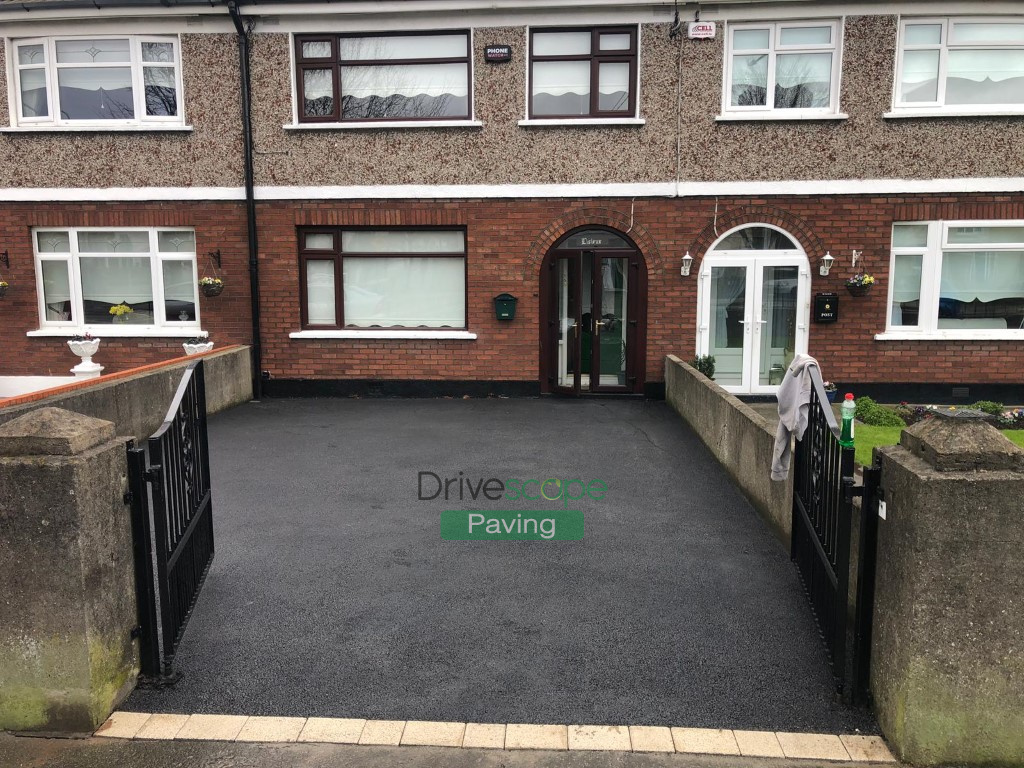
(867, 437)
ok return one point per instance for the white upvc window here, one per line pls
(84, 273)
(97, 81)
(973, 65)
(777, 69)
(962, 279)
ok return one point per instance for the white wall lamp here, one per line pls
(826, 263)
(684, 270)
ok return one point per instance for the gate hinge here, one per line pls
(137, 631)
(851, 491)
(153, 473)
(128, 497)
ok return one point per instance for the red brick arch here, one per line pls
(799, 229)
(595, 217)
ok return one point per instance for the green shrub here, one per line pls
(870, 412)
(996, 409)
(705, 364)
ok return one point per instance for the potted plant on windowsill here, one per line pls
(860, 284)
(121, 312)
(197, 345)
(211, 286)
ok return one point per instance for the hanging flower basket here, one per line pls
(3, 289)
(860, 284)
(211, 286)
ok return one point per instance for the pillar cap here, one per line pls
(53, 432)
(962, 445)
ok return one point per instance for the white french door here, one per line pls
(754, 312)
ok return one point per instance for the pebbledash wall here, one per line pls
(670, 184)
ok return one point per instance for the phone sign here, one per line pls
(702, 30)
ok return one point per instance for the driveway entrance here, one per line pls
(332, 593)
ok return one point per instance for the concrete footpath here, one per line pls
(20, 752)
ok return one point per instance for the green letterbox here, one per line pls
(505, 306)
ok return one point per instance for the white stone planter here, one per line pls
(197, 349)
(85, 349)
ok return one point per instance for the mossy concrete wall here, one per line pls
(67, 657)
(740, 438)
(948, 640)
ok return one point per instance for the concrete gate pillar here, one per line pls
(947, 668)
(67, 606)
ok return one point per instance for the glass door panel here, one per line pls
(727, 323)
(567, 318)
(610, 327)
(776, 326)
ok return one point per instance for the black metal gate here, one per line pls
(172, 522)
(823, 522)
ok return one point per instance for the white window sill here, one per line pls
(375, 333)
(576, 122)
(120, 332)
(383, 125)
(779, 116)
(96, 129)
(897, 114)
(951, 335)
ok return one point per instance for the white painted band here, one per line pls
(1014, 184)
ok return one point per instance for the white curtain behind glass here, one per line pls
(404, 292)
(982, 275)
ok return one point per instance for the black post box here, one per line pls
(826, 307)
(505, 306)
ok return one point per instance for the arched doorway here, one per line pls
(754, 299)
(593, 314)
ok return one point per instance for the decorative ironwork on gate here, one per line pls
(172, 518)
(823, 522)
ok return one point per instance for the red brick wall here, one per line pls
(506, 242)
(226, 317)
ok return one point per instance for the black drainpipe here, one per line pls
(250, 199)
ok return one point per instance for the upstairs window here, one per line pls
(782, 69)
(581, 73)
(106, 81)
(961, 65)
(355, 78)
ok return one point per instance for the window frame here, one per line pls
(936, 246)
(630, 56)
(337, 255)
(72, 257)
(336, 64)
(939, 106)
(769, 110)
(136, 64)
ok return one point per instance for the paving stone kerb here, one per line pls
(740, 438)
(67, 657)
(947, 671)
(137, 404)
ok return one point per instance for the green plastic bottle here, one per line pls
(848, 409)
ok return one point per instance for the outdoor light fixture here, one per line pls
(684, 270)
(5, 259)
(826, 263)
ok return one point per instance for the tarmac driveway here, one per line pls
(332, 593)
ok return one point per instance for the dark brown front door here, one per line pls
(593, 321)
